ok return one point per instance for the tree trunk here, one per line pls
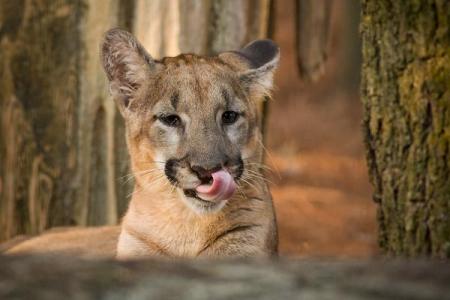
(313, 31)
(63, 159)
(58, 125)
(406, 92)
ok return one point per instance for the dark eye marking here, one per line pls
(170, 120)
(226, 96)
(229, 117)
(174, 100)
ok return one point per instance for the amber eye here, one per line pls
(170, 120)
(229, 117)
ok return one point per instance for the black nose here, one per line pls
(205, 174)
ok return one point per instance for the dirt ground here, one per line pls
(320, 184)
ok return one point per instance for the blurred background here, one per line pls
(322, 194)
(63, 160)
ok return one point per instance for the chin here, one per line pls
(202, 207)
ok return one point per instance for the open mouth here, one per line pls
(212, 193)
(215, 187)
(221, 186)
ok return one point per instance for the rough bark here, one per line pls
(52, 278)
(405, 93)
(57, 143)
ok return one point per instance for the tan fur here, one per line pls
(161, 219)
(95, 242)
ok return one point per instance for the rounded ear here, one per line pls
(126, 63)
(260, 59)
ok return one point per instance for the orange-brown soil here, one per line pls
(323, 205)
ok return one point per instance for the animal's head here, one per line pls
(191, 119)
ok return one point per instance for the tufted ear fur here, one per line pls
(126, 64)
(260, 59)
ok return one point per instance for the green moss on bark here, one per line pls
(406, 93)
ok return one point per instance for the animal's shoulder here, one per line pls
(74, 241)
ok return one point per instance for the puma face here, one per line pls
(192, 121)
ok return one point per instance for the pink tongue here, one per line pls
(222, 188)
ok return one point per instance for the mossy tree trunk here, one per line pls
(62, 152)
(406, 97)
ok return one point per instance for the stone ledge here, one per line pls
(44, 277)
